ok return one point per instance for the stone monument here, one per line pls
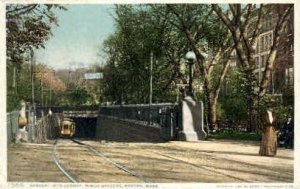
(191, 120)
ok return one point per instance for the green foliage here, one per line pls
(235, 136)
(78, 96)
(234, 109)
(28, 26)
(20, 90)
(127, 73)
(142, 29)
(13, 101)
(238, 98)
(288, 95)
(282, 111)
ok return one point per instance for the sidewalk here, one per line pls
(216, 161)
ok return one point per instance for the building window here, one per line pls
(267, 23)
(265, 41)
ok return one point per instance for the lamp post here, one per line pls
(32, 69)
(190, 57)
(32, 111)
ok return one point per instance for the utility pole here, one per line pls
(150, 93)
(50, 92)
(32, 76)
(42, 91)
(32, 118)
(151, 78)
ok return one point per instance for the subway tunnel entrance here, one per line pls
(85, 127)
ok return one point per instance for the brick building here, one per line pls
(282, 80)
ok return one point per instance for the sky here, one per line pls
(78, 39)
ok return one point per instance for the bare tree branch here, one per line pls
(21, 11)
(222, 16)
(223, 49)
(280, 25)
(200, 27)
(222, 77)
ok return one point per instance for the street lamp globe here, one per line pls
(190, 56)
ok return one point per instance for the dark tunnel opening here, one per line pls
(85, 127)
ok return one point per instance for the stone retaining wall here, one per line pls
(120, 130)
(47, 127)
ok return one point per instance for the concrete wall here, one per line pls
(114, 129)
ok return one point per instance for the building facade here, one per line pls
(282, 78)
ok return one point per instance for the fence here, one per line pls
(165, 116)
(12, 125)
(59, 109)
(47, 127)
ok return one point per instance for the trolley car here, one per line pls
(67, 128)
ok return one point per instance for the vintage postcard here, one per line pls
(149, 94)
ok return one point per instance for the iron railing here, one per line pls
(164, 115)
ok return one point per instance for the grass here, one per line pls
(235, 135)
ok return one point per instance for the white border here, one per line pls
(3, 152)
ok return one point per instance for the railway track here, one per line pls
(216, 170)
(59, 164)
(197, 166)
(73, 178)
(173, 158)
(230, 162)
(106, 154)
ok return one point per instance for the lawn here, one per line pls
(235, 135)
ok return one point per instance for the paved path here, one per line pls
(205, 161)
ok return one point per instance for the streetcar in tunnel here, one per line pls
(78, 127)
(67, 128)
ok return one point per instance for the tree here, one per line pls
(78, 96)
(234, 99)
(127, 72)
(211, 45)
(245, 26)
(49, 79)
(171, 31)
(28, 26)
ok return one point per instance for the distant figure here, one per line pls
(22, 135)
(288, 129)
(268, 146)
(22, 115)
(50, 112)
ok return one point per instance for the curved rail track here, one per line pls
(60, 166)
(198, 166)
(206, 167)
(73, 178)
(130, 172)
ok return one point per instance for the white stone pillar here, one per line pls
(192, 120)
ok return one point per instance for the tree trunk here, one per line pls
(213, 113)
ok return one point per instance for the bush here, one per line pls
(235, 135)
(283, 111)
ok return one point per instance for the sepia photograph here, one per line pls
(149, 94)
